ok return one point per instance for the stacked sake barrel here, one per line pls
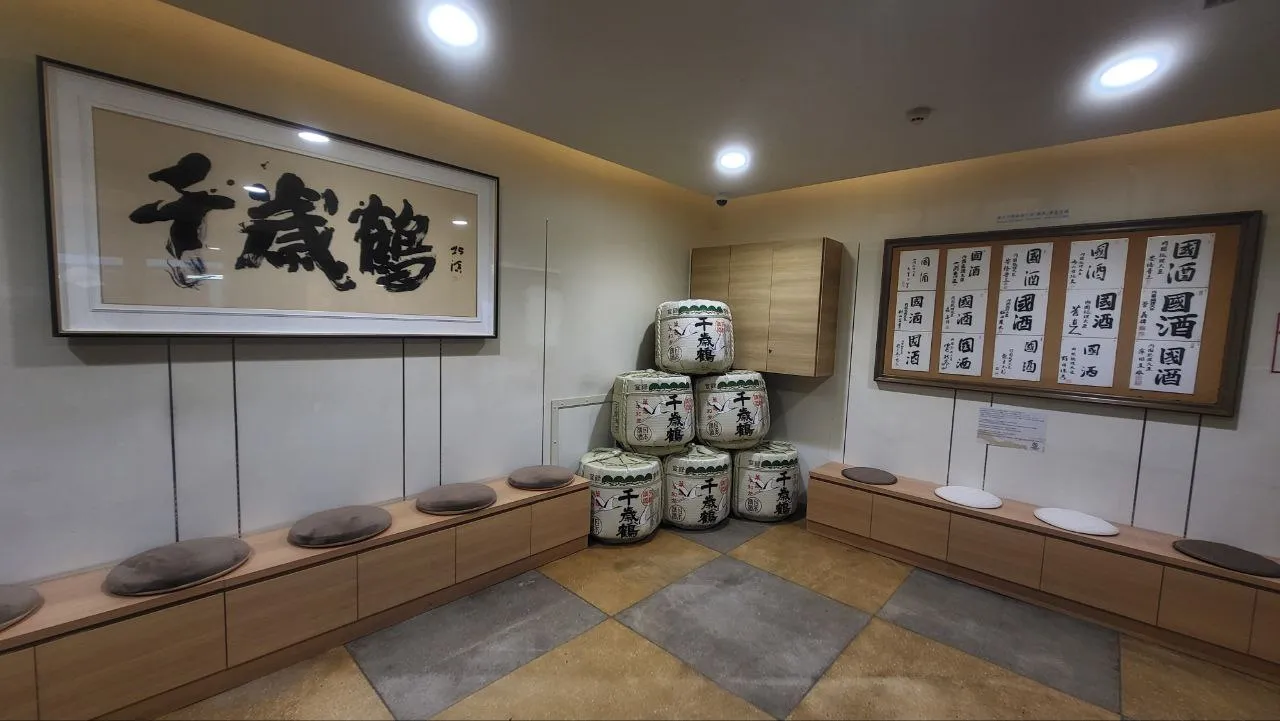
(657, 414)
(626, 494)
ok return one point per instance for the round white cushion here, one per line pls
(968, 496)
(1077, 522)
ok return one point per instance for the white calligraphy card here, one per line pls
(1026, 266)
(961, 354)
(1021, 312)
(1098, 263)
(1172, 313)
(918, 270)
(1092, 313)
(1178, 261)
(968, 268)
(1018, 357)
(964, 311)
(914, 310)
(1165, 366)
(1087, 361)
(911, 350)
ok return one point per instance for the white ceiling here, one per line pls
(817, 88)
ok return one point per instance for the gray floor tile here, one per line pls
(1068, 654)
(422, 666)
(727, 536)
(763, 638)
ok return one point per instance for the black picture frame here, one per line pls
(60, 326)
(1250, 224)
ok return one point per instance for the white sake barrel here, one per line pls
(626, 494)
(765, 479)
(697, 483)
(653, 412)
(694, 336)
(732, 409)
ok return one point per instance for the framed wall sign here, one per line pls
(1149, 313)
(176, 216)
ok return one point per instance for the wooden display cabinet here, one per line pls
(784, 297)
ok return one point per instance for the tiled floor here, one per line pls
(746, 621)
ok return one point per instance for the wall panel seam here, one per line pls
(1137, 477)
(1191, 488)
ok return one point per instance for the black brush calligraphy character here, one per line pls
(391, 244)
(186, 215)
(285, 230)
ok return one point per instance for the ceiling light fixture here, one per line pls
(1129, 71)
(733, 160)
(311, 137)
(256, 189)
(453, 25)
(459, 221)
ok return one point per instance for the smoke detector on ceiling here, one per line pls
(915, 116)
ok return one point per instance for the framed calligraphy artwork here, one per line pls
(1148, 313)
(171, 215)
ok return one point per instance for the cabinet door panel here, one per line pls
(796, 288)
(750, 276)
(709, 273)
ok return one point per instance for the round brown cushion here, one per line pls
(16, 603)
(1229, 557)
(456, 498)
(539, 478)
(874, 476)
(339, 526)
(176, 566)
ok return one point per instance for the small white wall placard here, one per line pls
(1008, 428)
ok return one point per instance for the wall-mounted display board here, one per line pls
(1148, 313)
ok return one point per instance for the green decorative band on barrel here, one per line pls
(666, 387)
(700, 309)
(740, 384)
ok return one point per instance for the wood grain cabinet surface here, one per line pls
(18, 685)
(400, 572)
(560, 520)
(269, 615)
(844, 508)
(90, 673)
(996, 550)
(1209, 609)
(911, 526)
(1265, 642)
(784, 297)
(493, 542)
(1110, 581)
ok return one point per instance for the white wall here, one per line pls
(108, 447)
(1208, 477)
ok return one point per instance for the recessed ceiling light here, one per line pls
(311, 137)
(733, 159)
(256, 189)
(459, 221)
(1128, 71)
(453, 25)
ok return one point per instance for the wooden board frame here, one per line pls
(1228, 353)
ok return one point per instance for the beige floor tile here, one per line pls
(614, 577)
(861, 579)
(1157, 683)
(329, 686)
(609, 672)
(889, 672)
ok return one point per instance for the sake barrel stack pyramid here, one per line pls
(697, 483)
(626, 494)
(693, 336)
(652, 412)
(733, 409)
(765, 478)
